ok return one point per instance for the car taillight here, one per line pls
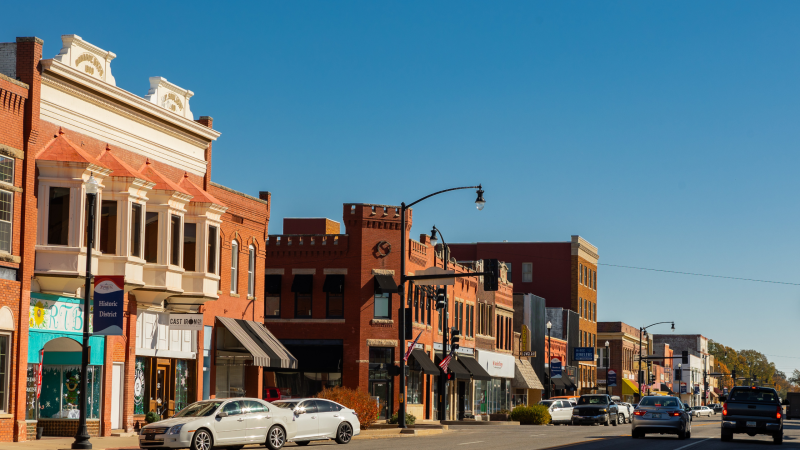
(639, 413)
(725, 409)
(778, 414)
(675, 413)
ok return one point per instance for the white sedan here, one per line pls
(228, 422)
(702, 411)
(318, 419)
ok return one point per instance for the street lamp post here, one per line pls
(446, 322)
(549, 361)
(640, 374)
(608, 366)
(479, 203)
(82, 436)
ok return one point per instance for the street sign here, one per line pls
(186, 322)
(555, 367)
(725, 391)
(612, 378)
(444, 281)
(683, 387)
(109, 295)
(583, 353)
(527, 354)
(697, 390)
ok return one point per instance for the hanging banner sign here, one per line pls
(612, 378)
(109, 296)
(583, 353)
(555, 367)
(192, 322)
(683, 387)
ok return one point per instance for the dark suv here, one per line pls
(596, 408)
(753, 410)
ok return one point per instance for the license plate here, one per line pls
(751, 424)
(656, 415)
(150, 437)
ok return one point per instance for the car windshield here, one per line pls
(697, 407)
(286, 405)
(593, 400)
(754, 396)
(659, 402)
(199, 409)
(546, 403)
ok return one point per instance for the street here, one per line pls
(705, 436)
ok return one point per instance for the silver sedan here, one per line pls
(663, 415)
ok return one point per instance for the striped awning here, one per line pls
(265, 349)
(524, 375)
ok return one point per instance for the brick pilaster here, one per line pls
(209, 122)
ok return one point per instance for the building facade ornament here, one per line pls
(86, 58)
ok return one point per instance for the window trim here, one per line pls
(175, 243)
(234, 267)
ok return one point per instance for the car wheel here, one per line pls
(637, 435)
(275, 438)
(616, 420)
(302, 442)
(726, 436)
(778, 439)
(608, 421)
(682, 434)
(202, 440)
(344, 433)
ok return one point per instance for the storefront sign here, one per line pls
(54, 315)
(725, 391)
(555, 367)
(192, 322)
(612, 378)
(583, 354)
(437, 346)
(683, 388)
(697, 390)
(109, 296)
(496, 364)
(524, 339)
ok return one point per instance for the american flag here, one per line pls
(446, 362)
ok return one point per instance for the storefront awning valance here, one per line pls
(524, 375)
(558, 383)
(628, 388)
(303, 284)
(272, 284)
(475, 368)
(666, 388)
(334, 284)
(454, 367)
(386, 284)
(428, 367)
(265, 349)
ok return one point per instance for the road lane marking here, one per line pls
(575, 443)
(693, 443)
(467, 443)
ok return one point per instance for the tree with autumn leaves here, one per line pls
(750, 365)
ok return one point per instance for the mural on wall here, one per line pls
(138, 386)
(52, 315)
(181, 384)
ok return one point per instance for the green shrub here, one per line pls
(410, 419)
(531, 415)
(151, 417)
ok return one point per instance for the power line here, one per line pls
(699, 274)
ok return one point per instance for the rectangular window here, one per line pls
(58, 216)
(235, 268)
(440, 314)
(151, 237)
(175, 235)
(272, 302)
(108, 227)
(508, 274)
(428, 307)
(136, 230)
(580, 273)
(302, 305)
(212, 249)
(7, 170)
(6, 212)
(527, 272)
(335, 306)
(383, 305)
(4, 365)
(498, 339)
(595, 280)
(414, 295)
(189, 247)
(251, 271)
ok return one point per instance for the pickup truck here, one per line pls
(753, 410)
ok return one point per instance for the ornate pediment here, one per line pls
(170, 97)
(87, 58)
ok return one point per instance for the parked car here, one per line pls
(792, 403)
(625, 409)
(229, 422)
(596, 408)
(717, 408)
(753, 410)
(560, 410)
(318, 419)
(271, 394)
(700, 411)
(663, 415)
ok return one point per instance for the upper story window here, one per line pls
(7, 169)
(508, 274)
(175, 236)
(151, 237)
(251, 271)
(58, 216)
(136, 230)
(213, 240)
(527, 272)
(6, 203)
(190, 247)
(108, 227)
(580, 273)
(234, 267)
(383, 301)
(272, 295)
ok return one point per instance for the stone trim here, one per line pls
(274, 271)
(13, 81)
(381, 342)
(9, 151)
(304, 271)
(304, 320)
(382, 272)
(9, 187)
(362, 361)
(504, 308)
(381, 322)
(30, 39)
(250, 197)
(334, 271)
(7, 257)
(234, 295)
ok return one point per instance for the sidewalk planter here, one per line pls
(499, 417)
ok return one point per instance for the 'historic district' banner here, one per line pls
(109, 296)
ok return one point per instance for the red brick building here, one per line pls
(621, 356)
(563, 273)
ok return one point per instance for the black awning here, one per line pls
(666, 388)
(558, 383)
(475, 368)
(569, 385)
(334, 284)
(428, 367)
(385, 284)
(272, 284)
(454, 367)
(303, 284)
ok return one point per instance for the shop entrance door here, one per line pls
(163, 390)
(462, 399)
(117, 383)
(383, 391)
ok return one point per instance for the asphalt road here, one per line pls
(705, 436)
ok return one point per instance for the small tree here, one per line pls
(359, 401)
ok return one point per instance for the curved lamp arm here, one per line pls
(440, 192)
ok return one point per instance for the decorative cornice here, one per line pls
(30, 39)
(232, 191)
(381, 342)
(13, 81)
(382, 272)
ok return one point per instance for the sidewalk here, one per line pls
(55, 443)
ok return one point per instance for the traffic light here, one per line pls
(641, 377)
(491, 281)
(685, 357)
(408, 323)
(652, 379)
(441, 298)
(454, 339)
(393, 370)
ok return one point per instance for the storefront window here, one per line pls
(139, 385)
(61, 392)
(182, 384)
(30, 393)
(230, 381)
(480, 397)
(415, 386)
(380, 382)
(306, 384)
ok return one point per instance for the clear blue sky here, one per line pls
(665, 133)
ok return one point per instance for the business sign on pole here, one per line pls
(109, 296)
(612, 378)
(683, 387)
(193, 322)
(725, 391)
(583, 354)
(447, 277)
(555, 367)
(524, 339)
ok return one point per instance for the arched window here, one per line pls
(234, 267)
(251, 272)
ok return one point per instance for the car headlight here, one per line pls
(603, 410)
(175, 429)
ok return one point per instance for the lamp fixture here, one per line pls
(480, 202)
